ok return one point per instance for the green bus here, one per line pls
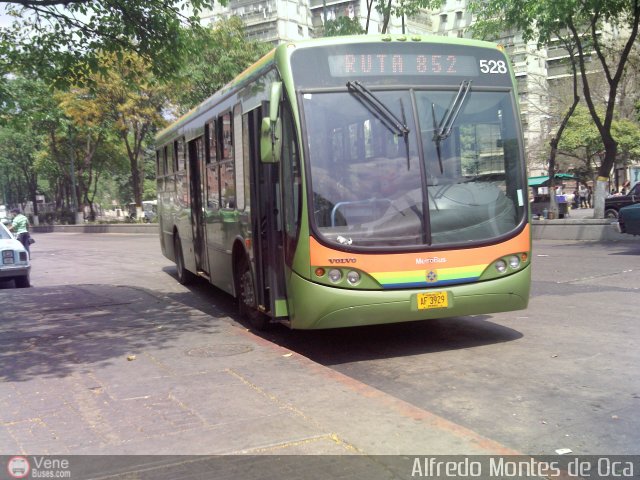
(352, 181)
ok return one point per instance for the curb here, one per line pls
(150, 228)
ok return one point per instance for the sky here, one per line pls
(5, 20)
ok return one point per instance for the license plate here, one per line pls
(432, 300)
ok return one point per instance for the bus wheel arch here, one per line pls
(245, 289)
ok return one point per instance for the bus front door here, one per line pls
(266, 225)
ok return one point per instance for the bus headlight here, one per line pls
(501, 266)
(335, 275)
(514, 261)
(353, 277)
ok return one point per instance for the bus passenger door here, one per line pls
(266, 210)
(196, 178)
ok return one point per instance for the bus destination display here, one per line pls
(359, 65)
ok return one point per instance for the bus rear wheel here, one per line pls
(184, 276)
(246, 296)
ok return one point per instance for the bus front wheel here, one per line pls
(184, 275)
(246, 296)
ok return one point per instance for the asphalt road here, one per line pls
(563, 374)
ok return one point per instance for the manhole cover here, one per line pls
(223, 350)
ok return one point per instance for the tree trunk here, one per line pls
(602, 182)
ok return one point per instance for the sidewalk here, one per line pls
(580, 213)
(98, 369)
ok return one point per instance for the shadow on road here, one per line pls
(336, 346)
(56, 331)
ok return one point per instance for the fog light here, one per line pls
(335, 275)
(353, 277)
(514, 261)
(501, 266)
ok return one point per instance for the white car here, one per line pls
(14, 259)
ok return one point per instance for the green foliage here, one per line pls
(627, 134)
(343, 26)
(582, 139)
(400, 9)
(223, 53)
(63, 40)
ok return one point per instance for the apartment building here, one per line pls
(271, 21)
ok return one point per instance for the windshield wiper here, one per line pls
(443, 129)
(394, 124)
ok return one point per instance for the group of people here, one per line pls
(581, 196)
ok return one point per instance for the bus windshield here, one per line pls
(373, 186)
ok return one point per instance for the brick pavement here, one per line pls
(108, 370)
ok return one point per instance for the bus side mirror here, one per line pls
(271, 128)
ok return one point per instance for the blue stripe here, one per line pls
(390, 286)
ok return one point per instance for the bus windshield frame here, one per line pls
(432, 166)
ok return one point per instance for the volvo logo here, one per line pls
(342, 260)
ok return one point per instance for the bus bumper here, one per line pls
(320, 306)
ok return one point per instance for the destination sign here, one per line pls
(375, 64)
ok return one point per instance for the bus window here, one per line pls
(291, 184)
(165, 168)
(227, 164)
(181, 155)
(213, 176)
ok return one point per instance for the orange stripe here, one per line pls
(397, 262)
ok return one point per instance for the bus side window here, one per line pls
(227, 165)
(213, 177)
(158, 172)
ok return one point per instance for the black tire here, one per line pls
(22, 282)
(184, 276)
(246, 296)
(611, 213)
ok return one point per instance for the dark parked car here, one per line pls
(629, 219)
(614, 203)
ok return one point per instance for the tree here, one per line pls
(63, 39)
(401, 8)
(223, 53)
(28, 115)
(582, 142)
(90, 124)
(342, 26)
(583, 20)
(135, 108)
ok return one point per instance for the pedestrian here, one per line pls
(20, 228)
(582, 191)
(589, 197)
